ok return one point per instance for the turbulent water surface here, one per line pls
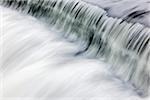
(37, 63)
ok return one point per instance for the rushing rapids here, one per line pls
(125, 46)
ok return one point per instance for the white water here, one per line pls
(50, 75)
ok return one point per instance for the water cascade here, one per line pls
(125, 46)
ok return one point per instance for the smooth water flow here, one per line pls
(125, 46)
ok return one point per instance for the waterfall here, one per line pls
(125, 46)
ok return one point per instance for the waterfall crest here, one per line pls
(125, 46)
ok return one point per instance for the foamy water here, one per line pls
(39, 64)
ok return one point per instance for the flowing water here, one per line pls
(125, 46)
